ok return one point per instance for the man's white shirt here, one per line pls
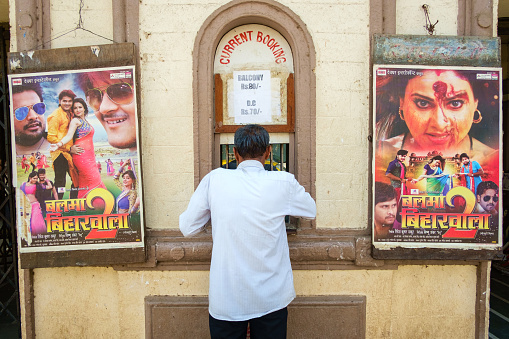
(250, 272)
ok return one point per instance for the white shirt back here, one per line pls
(250, 272)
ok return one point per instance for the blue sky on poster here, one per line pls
(58, 83)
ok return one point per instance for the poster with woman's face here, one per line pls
(437, 156)
(75, 160)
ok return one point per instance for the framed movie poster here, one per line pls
(76, 160)
(437, 157)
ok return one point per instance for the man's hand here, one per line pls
(75, 149)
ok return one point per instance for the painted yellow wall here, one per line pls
(411, 19)
(96, 17)
(413, 301)
(410, 302)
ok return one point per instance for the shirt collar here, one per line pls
(250, 163)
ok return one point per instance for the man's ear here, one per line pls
(266, 155)
(236, 155)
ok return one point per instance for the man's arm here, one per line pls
(477, 169)
(55, 195)
(193, 220)
(53, 123)
(302, 205)
(393, 177)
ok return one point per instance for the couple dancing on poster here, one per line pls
(79, 133)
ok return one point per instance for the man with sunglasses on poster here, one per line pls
(58, 125)
(29, 122)
(111, 95)
(487, 198)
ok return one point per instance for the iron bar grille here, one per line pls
(277, 161)
(9, 289)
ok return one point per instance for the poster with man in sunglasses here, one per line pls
(95, 210)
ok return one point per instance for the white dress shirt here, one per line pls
(250, 271)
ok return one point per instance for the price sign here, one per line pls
(252, 97)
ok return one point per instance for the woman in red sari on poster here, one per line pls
(83, 132)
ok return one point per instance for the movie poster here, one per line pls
(437, 157)
(76, 161)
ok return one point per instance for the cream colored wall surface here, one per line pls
(341, 35)
(167, 105)
(410, 302)
(340, 32)
(76, 303)
(96, 17)
(410, 17)
(12, 22)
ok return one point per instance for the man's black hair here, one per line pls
(464, 155)
(251, 141)
(31, 175)
(41, 171)
(36, 87)
(486, 185)
(384, 192)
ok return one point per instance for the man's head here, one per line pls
(29, 122)
(401, 155)
(41, 173)
(112, 100)
(464, 158)
(386, 205)
(65, 99)
(487, 195)
(251, 142)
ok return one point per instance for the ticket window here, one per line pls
(254, 84)
(278, 159)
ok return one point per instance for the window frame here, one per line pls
(290, 26)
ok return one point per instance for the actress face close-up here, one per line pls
(438, 108)
(78, 110)
(127, 181)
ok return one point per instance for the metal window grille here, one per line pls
(9, 290)
(277, 161)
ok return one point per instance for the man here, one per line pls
(112, 100)
(487, 197)
(32, 161)
(58, 125)
(28, 120)
(386, 208)
(470, 173)
(250, 274)
(396, 172)
(45, 190)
